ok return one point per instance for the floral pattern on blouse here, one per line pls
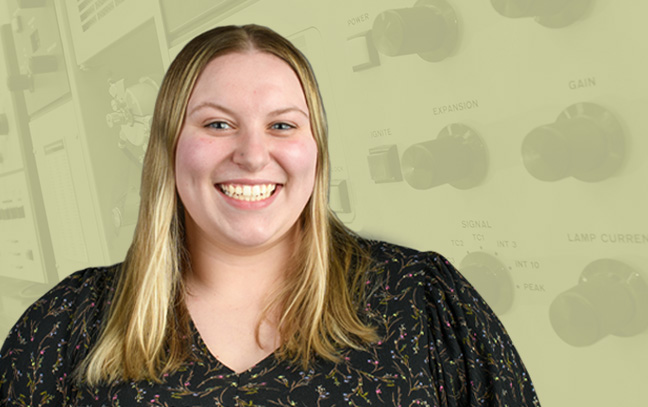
(440, 345)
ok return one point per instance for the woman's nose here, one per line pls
(252, 150)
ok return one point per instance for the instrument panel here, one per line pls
(508, 135)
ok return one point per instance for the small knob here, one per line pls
(458, 156)
(429, 29)
(550, 13)
(490, 278)
(585, 142)
(610, 298)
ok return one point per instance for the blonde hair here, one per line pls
(148, 331)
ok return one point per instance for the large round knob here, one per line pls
(611, 298)
(586, 142)
(429, 29)
(458, 156)
(490, 278)
(550, 13)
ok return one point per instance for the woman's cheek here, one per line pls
(300, 154)
(194, 155)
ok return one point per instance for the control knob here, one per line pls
(585, 142)
(429, 29)
(457, 156)
(610, 298)
(549, 13)
(490, 278)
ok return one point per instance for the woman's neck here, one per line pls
(236, 273)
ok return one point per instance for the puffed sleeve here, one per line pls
(472, 358)
(50, 338)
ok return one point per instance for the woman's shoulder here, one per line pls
(69, 296)
(64, 318)
(434, 304)
(399, 262)
(429, 273)
(53, 335)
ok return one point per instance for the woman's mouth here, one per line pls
(250, 193)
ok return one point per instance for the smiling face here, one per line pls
(246, 157)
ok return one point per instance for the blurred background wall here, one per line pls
(509, 135)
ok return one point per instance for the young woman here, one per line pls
(241, 288)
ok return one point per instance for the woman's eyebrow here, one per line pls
(288, 109)
(213, 105)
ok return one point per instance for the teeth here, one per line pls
(248, 192)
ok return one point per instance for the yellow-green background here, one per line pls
(519, 74)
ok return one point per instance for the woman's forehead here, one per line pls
(235, 76)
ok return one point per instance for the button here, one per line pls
(339, 196)
(429, 29)
(611, 298)
(549, 13)
(490, 278)
(458, 157)
(585, 142)
(384, 165)
(362, 52)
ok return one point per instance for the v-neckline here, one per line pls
(204, 349)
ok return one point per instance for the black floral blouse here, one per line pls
(441, 345)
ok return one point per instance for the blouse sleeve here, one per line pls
(472, 357)
(41, 350)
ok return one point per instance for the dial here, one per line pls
(585, 142)
(550, 13)
(611, 298)
(457, 156)
(490, 278)
(429, 29)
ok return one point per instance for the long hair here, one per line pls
(148, 332)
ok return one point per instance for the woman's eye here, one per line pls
(282, 126)
(219, 125)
